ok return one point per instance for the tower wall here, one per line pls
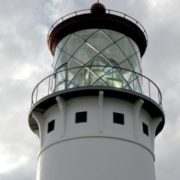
(95, 158)
(98, 148)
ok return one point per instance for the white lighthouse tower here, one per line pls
(96, 116)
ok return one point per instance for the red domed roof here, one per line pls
(98, 8)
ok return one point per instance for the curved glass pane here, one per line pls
(94, 57)
(100, 40)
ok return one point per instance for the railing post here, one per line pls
(49, 84)
(149, 87)
(32, 101)
(53, 84)
(133, 81)
(37, 93)
(66, 78)
(159, 98)
(113, 75)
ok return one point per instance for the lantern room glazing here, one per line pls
(97, 57)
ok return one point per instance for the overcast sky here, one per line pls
(25, 60)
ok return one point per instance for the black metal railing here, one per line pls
(114, 77)
(108, 11)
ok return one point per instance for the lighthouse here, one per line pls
(96, 115)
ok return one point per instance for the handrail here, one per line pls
(48, 85)
(88, 11)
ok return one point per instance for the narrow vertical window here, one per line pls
(145, 129)
(51, 126)
(81, 117)
(118, 118)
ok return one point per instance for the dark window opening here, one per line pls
(51, 126)
(145, 129)
(118, 118)
(81, 117)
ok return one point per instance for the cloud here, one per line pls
(25, 60)
(10, 160)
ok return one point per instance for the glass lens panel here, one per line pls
(125, 64)
(85, 53)
(72, 73)
(114, 55)
(98, 60)
(56, 56)
(80, 78)
(60, 76)
(113, 34)
(134, 45)
(134, 63)
(96, 74)
(72, 63)
(128, 75)
(73, 44)
(100, 41)
(126, 46)
(62, 59)
(85, 34)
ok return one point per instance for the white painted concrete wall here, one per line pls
(98, 149)
(96, 158)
